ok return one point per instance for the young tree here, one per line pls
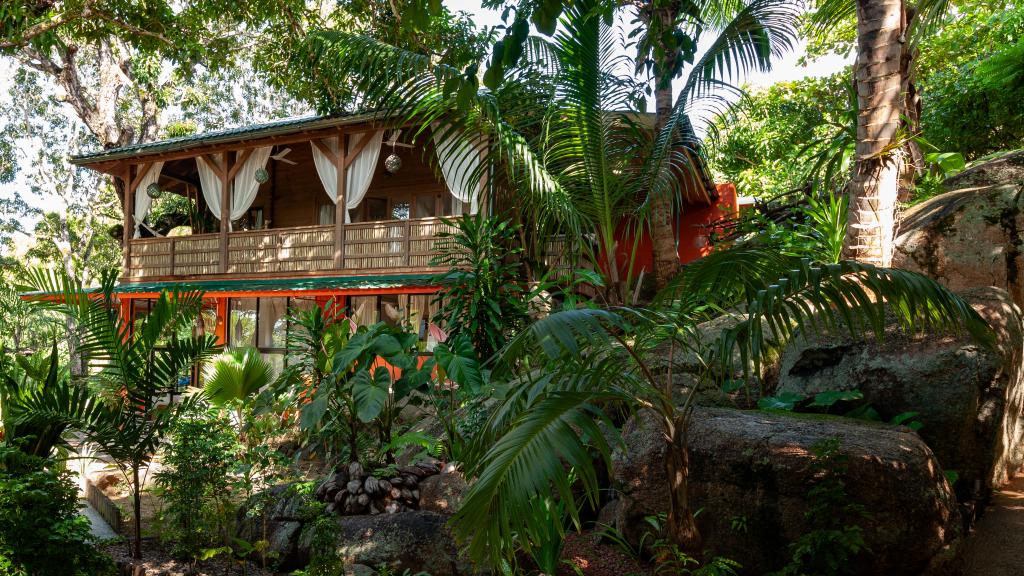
(747, 35)
(132, 367)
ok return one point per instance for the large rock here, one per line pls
(971, 235)
(443, 493)
(753, 468)
(408, 541)
(969, 398)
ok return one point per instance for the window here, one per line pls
(400, 211)
(393, 308)
(326, 215)
(363, 310)
(273, 329)
(242, 322)
(426, 206)
(376, 209)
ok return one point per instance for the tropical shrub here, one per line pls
(835, 536)
(194, 483)
(119, 408)
(483, 295)
(566, 370)
(41, 532)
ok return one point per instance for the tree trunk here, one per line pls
(663, 209)
(136, 512)
(880, 77)
(681, 527)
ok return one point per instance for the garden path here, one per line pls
(97, 525)
(995, 547)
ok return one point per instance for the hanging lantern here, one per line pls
(154, 191)
(392, 163)
(262, 176)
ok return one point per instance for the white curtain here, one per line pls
(460, 160)
(142, 199)
(245, 186)
(360, 171)
(210, 182)
(325, 167)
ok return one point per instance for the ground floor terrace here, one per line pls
(258, 313)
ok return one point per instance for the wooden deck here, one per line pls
(392, 245)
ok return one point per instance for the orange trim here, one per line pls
(221, 329)
(284, 293)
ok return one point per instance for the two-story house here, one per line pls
(292, 213)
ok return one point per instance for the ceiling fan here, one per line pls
(280, 156)
(393, 141)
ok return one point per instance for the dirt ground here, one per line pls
(158, 562)
(994, 549)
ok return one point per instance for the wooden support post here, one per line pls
(172, 242)
(407, 242)
(340, 209)
(225, 211)
(129, 222)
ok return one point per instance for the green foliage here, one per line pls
(194, 482)
(133, 367)
(834, 538)
(970, 77)
(24, 378)
(778, 138)
(482, 295)
(41, 532)
(567, 368)
(236, 375)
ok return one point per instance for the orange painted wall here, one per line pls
(689, 229)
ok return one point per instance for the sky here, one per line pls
(787, 69)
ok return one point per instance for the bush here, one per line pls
(195, 485)
(41, 532)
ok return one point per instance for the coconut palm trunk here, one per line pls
(881, 74)
(663, 236)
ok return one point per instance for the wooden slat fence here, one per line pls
(391, 244)
(104, 506)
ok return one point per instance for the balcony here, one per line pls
(367, 247)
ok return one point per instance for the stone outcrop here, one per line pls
(973, 234)
(968, 398)
(443, 493)
(413, 541)
(752, 469)
(390, 530)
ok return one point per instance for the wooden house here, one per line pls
(268, 235)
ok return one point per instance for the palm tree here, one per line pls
(888, 109)
(564, 149)
(566, 370)
(749, 33)
(236, 376)
(118, 407)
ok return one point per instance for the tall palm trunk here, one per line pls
(881, 77)
(663, 213)
(680, 523)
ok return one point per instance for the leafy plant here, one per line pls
(482, 295)
(41, 531)
(135, 367)
(194, 482)
(834, 538)
(237, 374)
(565, 369)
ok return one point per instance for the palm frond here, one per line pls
(850, 297)
(762, 30)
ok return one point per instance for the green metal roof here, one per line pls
(275, 128)
(276, 284)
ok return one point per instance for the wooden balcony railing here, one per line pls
(386, 245)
